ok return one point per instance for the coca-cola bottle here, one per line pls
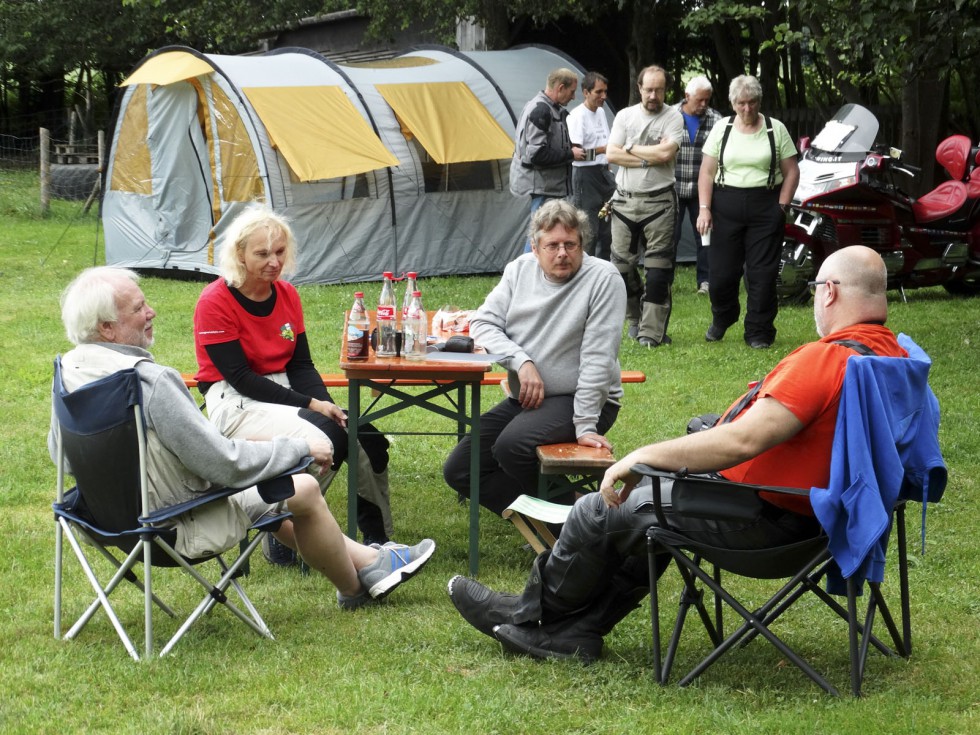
(358, 330)
(387, 318)
(415, 329)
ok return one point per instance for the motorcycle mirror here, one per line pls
(803, 143)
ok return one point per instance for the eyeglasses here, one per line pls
(552, 247)
(813, 285)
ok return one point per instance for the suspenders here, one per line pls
(772, 148)
(859, 347)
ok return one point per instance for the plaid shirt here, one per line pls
(689, 156)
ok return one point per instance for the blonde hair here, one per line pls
(253, 220)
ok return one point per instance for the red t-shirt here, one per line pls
(268, 341)
(808, 382)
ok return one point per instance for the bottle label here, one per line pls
(357, 343)
(386, 312)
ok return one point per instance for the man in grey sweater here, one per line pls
(108, 318)
(557, 315)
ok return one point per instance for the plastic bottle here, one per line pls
(387, 319)
(411, 286)
(358, 330)
(415, 329)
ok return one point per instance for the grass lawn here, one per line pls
(413, 665)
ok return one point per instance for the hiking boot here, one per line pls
(549, 641)
(277, 552)
(480, 606)
(395, 564)
(651, 343)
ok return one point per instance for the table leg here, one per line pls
(353, 447)
(475, 407)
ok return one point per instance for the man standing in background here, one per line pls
(542, 164)
(592, 181)
(699, 118)
(644, 142)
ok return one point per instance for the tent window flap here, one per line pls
(318, 131)
(448, 120)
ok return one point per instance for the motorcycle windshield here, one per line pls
(852, 130)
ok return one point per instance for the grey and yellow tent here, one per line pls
(399, 165)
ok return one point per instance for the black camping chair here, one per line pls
(100, 431)
(812, 563)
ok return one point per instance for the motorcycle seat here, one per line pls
(953, 154)
(942, 201)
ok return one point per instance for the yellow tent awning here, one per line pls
(448, 120)
(173, 66)
(318, 131)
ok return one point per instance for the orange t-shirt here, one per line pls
(808, 382)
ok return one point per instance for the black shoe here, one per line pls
(651, 343)
(539, 642)
(760, 344)
(714, 334)
(277, 552)
(479, 605)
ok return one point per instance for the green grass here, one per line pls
(413, 666)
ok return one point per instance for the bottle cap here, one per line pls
(412, 274)
(358, 294)
(388, 274)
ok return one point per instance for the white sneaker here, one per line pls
(703, 287)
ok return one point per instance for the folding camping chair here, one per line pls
(100, 431)
(884, 455)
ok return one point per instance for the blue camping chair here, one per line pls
(100, 432)
(885, 454)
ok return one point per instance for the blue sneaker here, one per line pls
(395, 564)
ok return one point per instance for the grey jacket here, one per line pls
(542, 162)
(186, 453)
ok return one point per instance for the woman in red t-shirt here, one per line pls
(254, 364)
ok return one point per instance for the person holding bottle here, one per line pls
(255, 369)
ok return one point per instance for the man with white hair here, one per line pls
(699, 118)
(109, 320)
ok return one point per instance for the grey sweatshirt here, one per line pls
(571, 331)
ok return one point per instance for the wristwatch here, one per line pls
(644, 164)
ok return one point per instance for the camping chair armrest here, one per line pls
(162, 515)
(709, 497)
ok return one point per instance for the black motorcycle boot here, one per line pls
(578, 635)
(484, 609)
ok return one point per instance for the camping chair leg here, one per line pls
(658, 676)
(102, 598)
(58, 550)
(216, 594)
(903, 580)
(852, 638)
(753, 620)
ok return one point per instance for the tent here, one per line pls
(396, 165)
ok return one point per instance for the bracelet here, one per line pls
(704, 206)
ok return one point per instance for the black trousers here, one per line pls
(747, 237)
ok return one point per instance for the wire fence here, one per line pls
(68, 170)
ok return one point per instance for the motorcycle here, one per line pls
(850, 194)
